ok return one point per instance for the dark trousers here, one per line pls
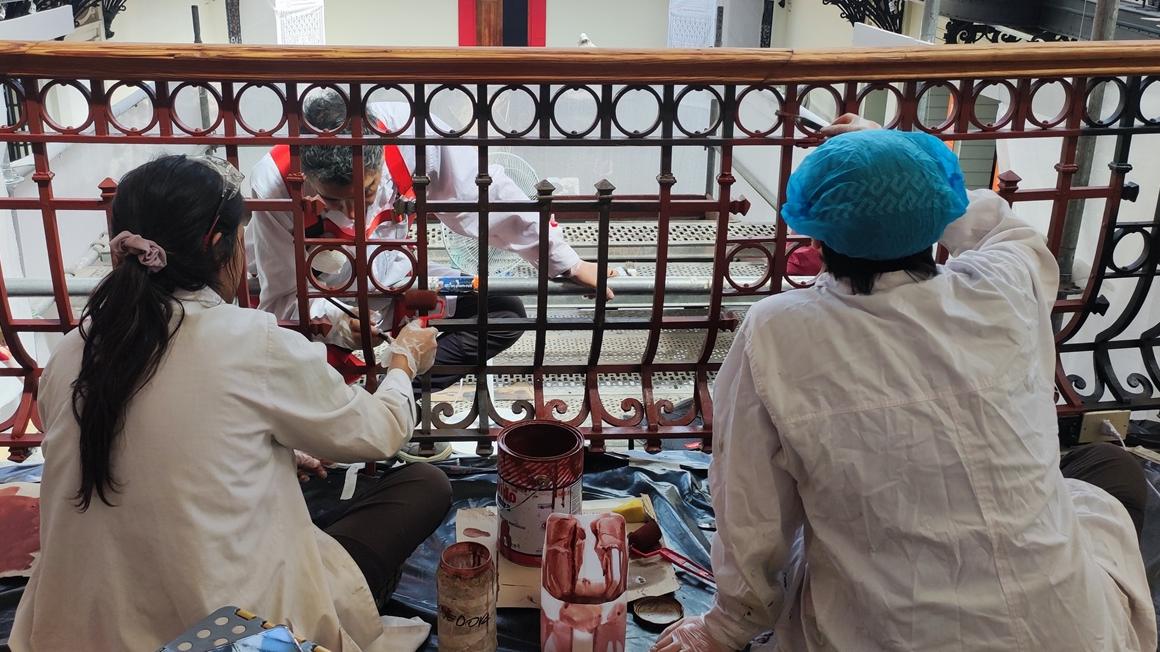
(462, 348)
(386, 519)
(1114, 470)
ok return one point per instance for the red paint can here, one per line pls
(540, 466)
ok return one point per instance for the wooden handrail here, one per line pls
(50, 59)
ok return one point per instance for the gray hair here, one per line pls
(325, 110)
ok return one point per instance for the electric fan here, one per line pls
(463, 251)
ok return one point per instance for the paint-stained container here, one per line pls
(467, 587)
(540, 466)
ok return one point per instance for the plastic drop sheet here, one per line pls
(675, 481)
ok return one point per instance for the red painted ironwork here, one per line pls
(607, 77)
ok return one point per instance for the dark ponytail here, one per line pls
(129, 319)
(861, 273)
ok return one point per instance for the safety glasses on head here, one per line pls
(231, 185)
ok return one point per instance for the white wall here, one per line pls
(170, 21)
(609, 23)
(257, 21)
(393, 23)
(742, 28)
(810, 24)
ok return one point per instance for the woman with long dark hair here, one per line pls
(176, 423)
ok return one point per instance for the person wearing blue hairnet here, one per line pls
(886, 471)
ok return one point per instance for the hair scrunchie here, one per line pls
(148, 253)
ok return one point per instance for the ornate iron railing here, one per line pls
(1123, 373)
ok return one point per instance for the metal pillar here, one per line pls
(1103, 29)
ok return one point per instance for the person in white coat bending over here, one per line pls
(906, 493)
(387, 178)
(176, 426)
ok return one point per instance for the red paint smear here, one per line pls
(20, 523)
(467, 22)
(476, 533)
(537, 23)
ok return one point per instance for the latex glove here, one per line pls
(586, 274)
(416, 345)
(846, 124)
(687, 635)
(307, 465)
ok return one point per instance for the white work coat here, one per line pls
(209, 511)
(453, 172)
(911, 435)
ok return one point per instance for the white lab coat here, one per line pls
(911, 434)
(209, 512)
(453, 172)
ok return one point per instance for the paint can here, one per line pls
(467, 591)
(540, 466)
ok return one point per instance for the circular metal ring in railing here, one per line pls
(794, 246)
(1121, 234)
(1117, 113)
(804, 95)
(1000, 121)
(372, 124)
(890, 89)
(242, 121)
(955, 104)
(176, 117)
(761, 281)
(132, 131)
(514, 88)
(636, 133)
(677, 113)
(76, 85)
(777, 111)
(1037, 88)
(406, 251)
(450, 88)
(314, 279)
(572, 133)
(315, 129)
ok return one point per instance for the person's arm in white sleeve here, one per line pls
(756, 503)
(272, 233)
(313, 410)
(454, 180)
(993, 236)
(274, 260)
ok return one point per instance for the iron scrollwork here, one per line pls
(886, 14)
(966, 32)
(109, 8)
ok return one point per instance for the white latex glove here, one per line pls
(417, 345)
(308, 465)
(846, 124)
(687, 635)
